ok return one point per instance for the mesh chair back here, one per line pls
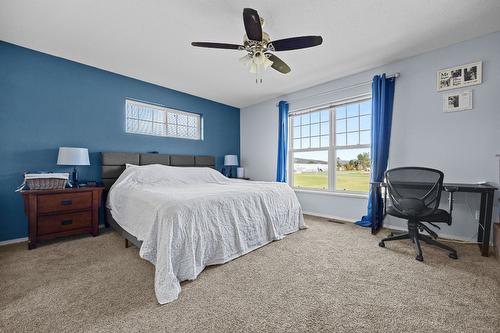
(414, 191)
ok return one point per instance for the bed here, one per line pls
(184, 215)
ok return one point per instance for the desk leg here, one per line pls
(485, 246)
(480, 227)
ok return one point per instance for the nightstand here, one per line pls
(63, 212)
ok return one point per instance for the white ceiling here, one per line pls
(150, 40)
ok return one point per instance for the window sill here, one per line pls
(336, 193)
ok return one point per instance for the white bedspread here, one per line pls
(188, 218)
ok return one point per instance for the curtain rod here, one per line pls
(395, 75)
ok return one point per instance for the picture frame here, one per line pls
(459, 76)
(457, 101)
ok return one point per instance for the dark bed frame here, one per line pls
(113, 164)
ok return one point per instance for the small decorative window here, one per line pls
(151, 119)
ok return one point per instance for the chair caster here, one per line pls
(391, 234)
(453, 255)
(381, 244)
(419, 258)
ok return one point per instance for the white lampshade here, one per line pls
(230, 160)
(73, 156)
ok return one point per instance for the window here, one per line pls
(150, 119)
(330, 147)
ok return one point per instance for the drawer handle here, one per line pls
(66, 222)
(66, 202)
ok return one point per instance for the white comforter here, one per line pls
(188, 218)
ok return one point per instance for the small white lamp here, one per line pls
(73, 157)
(230, 161)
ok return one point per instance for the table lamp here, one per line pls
(73, 157)
(230, 161)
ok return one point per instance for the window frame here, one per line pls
(332, 147)
(167, 111)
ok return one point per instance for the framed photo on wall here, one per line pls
(460, 76)
(457, 101)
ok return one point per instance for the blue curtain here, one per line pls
(282, 142)
(382, 101)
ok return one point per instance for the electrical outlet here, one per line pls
(477, 215)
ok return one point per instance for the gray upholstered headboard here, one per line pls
(113, 163)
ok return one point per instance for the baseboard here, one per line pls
(13, 241)
(25, 239)
(331, 217)
(390, 227)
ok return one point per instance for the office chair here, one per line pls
(415, 194)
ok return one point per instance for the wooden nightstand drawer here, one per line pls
(61, 212)
(50, 203)
(63, 222)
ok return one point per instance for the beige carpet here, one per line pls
(328, 278)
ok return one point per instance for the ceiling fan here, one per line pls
(259, 46)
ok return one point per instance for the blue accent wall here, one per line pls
(47, 102)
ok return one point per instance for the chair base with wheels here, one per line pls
(414, 234)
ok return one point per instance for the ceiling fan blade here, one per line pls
(253, 27)
(218, 45)
(279, 64)
(295, 43)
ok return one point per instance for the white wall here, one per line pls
(462, 144)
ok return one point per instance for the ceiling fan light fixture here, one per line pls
(245, 60)
(253, 68)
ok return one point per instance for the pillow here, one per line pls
(128, 165)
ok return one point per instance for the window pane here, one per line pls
(182, 120)
(315, 142)
(365, 137)
(305, 119)
(193, 132)
(145, 127)
(131, 111)
(145, 114)
(159, 129)
(365, 122)
(192, 121)
(340, 112)
(340, 139)
(325, 141)
(315, 117)
(132, 125)
(352, 124)
(296, 132)
(296, 121)
(353, 110)
(325, 128)
(305, 143)
(172, 118)
(182, 131)
(340, 126)
(353, 170)
(325, 115)
(305, 131)
(365, 107)
(171, 130)
(315, 129)
(296, 143)
(353, 138)
(158, 116)
(310, 169)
